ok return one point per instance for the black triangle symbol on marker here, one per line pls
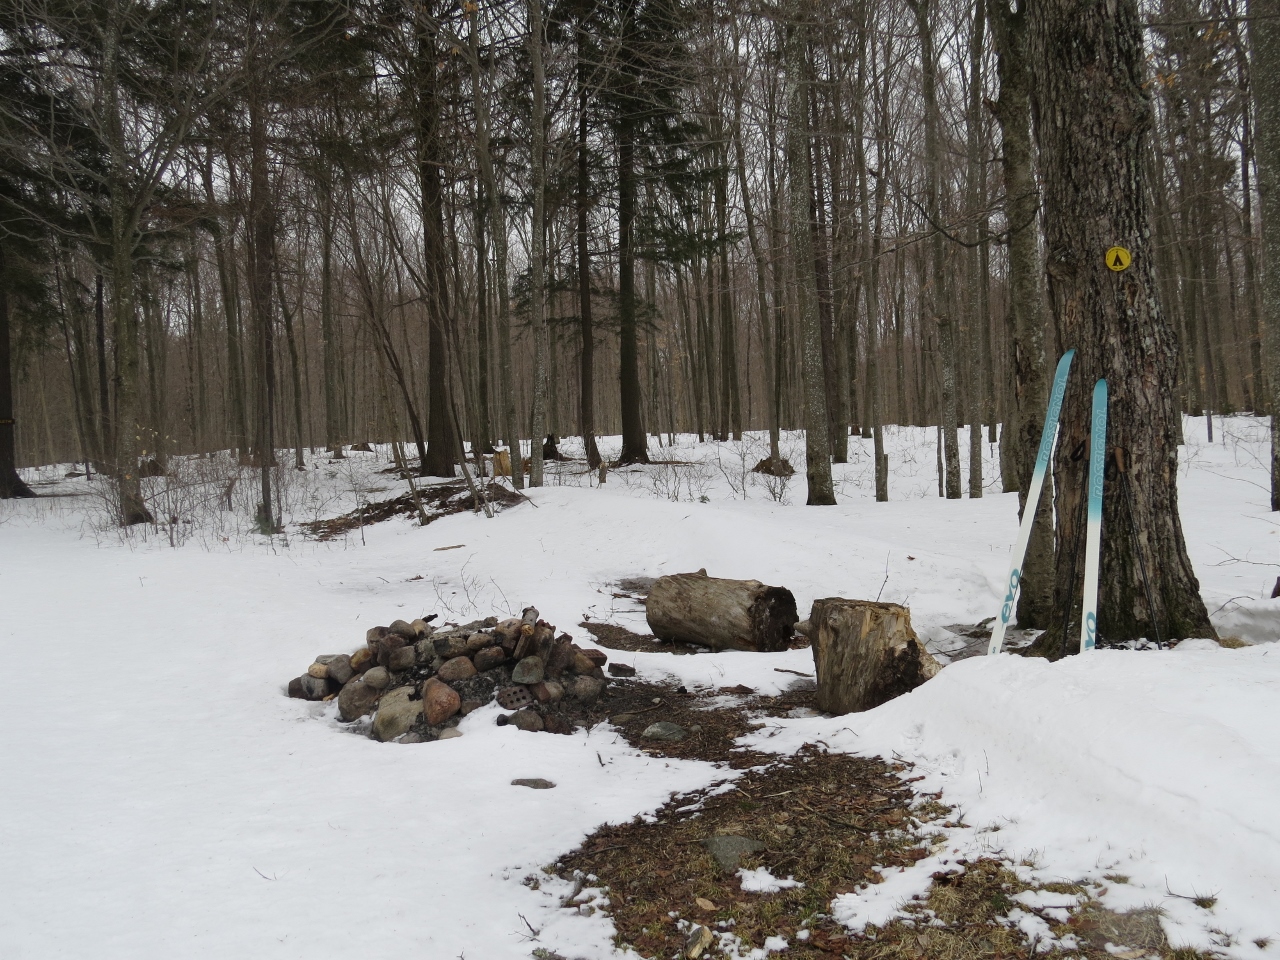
(1117, 262)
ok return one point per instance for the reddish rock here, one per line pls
(559, 658)
(548, 691)
(582, 663)
(597, 657)
(439, 701)
(490, 657)
(459, 668)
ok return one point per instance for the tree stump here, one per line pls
(721, 614)
(865, 654)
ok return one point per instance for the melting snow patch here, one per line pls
(761, 880)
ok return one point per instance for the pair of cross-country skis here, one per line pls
(1097, 468)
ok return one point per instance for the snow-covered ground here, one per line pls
(160, 796)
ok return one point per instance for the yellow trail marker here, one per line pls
(1118, 258)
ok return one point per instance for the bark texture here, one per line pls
(865, 654)
(1092, 118)
(721, 614)
(1264, 38)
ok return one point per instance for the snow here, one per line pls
(163, 798)
(760, 880)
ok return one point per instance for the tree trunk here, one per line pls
(1021, 438)
(721, 614)
(11, 485)
(817, 439)
(635, 443)
(865, 654)
(1264, 37)
(587, 367)
(537, 235)
(1093, 114)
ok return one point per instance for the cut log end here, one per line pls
(865, 654)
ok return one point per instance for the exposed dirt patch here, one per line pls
(620, 638)
(438, 500)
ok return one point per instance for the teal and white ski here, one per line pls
(1043, 456)
(1093, 529)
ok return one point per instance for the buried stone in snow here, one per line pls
(664, 730)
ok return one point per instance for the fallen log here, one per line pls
(865, 654)
(721, 614)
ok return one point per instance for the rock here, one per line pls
(412, 737)
(449, 733)
(622, 719)
(459, 668)
(581, 663)
(318, 670)
(508, 633)
(664, 730)
(469, 706)
(402, 628)
(727, 851)
(478, 641)
(450, 645)
(378, 678)
(490, 657)
(549, 691)
(295, 689)
(426, 651)
(528, 720)
(597, 657)
(700, 938)
(340, 669)
(528, 670)
(586, 689)
(314, 688)
(357, 699)
(554, 723)
(402, 659)
(621, 670)
(440, 701)
(559, 658)
(374, 634)
(420, 628)
(533, 783)
(397, 712)
(514, 697)
(383, 646)
(361, 659)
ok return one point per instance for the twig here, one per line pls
(796, 672)
(886, 578)
(839, 823)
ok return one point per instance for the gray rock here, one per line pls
(728, 851)
(340, 668)
(533, 783)
(426, 650)
(481, 686)
(700, 938)
(377, 677)
(586, 689)
(664, 730)
(621, 670)
(402, 659)
(621, 719)
(450, 645)
(449, 733)
(374, 634)
(412, 737)
(295, 689)
(357, 699)
(528, 720)
(396, 714)
(314, 688)
(402, 628)
(528, 670)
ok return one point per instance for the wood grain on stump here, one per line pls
(721, 614)
(865, 654)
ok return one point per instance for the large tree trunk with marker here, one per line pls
(1264, 38)
(1093, 117)
(865, 654)
(721, 614)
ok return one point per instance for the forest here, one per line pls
(268, 226)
